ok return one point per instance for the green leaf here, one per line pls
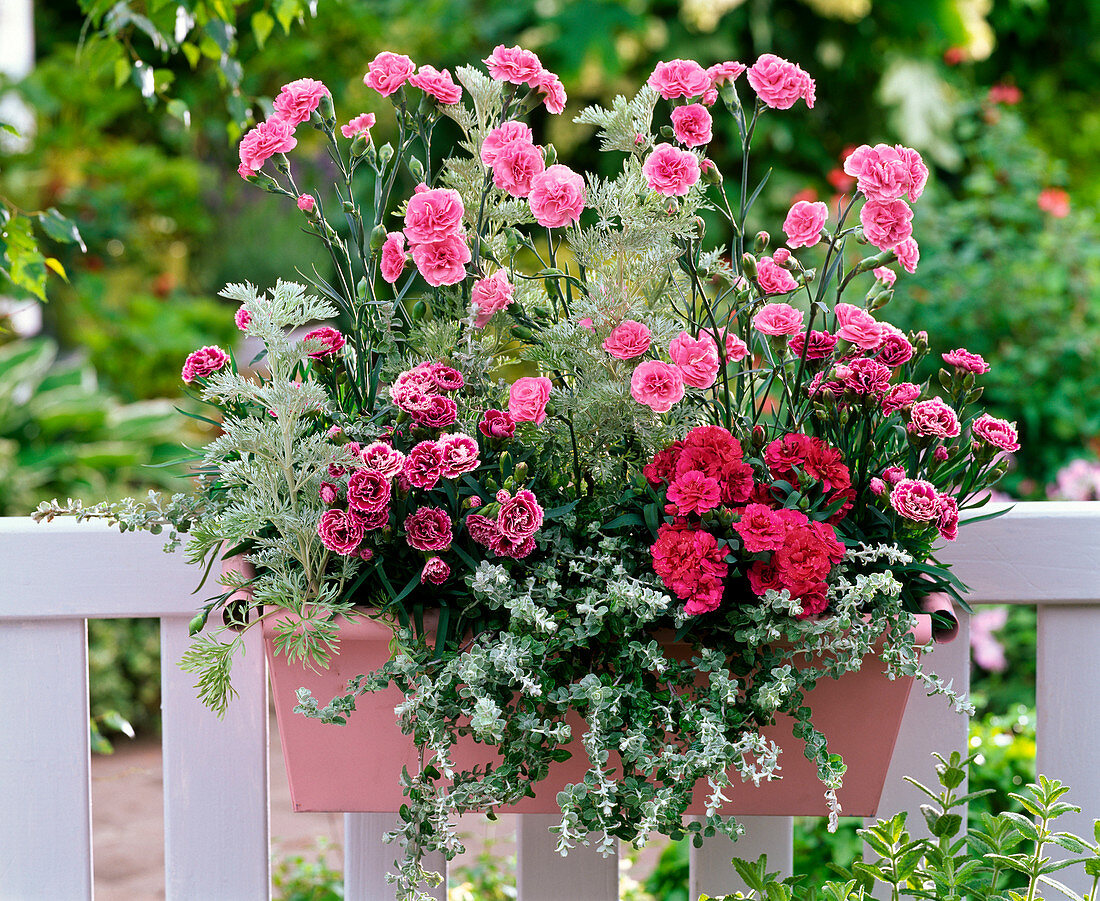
(286, 11)
(177, 109)
(192, 53)
(262, 24)
(55, 265)
(112, 719)
(10, 129)
(60, 228)
(27, 266)
(122, 71)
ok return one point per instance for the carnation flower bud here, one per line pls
(549, 155)
(326, 111)
(759, 436)
(378, 238)
(782, 257)
(520, 471)
(876, 300)
(385, 153)
(667, 132)
(860, 237)
(419, 310)
(361, 289)
(808, 275)
(748, 265)
(416, 168)
(348, 206)
(700, 228)
(761, 243)
(941, 454)
(920, 342)
(879, 259)
(710, 173)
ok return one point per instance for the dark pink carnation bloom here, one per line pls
(998, 432)
(763, 577)
(949, 518)
(886, 223)
(692, 564)
(780, 83)
(340, 531)
(899, 397)
(360, 125)
(696, 358)
(965, 361)
(429, 529)
(242, 318)
(867, 376)
(393, 257)
(264, 141)
(877, 486)
(760, 528)
(520, 517)
(692, 125)
(804, 556)
(437, 84)
(330, 338)
(513, 64)
(368, 491)
(516, 549)
(306, 203)
(446, 378)
(298, 99)
(423, 465)
(916, 499)
(941, 454)
(482, 529)
(442, 262)
(383, 459)
(933, 418)
(440, 413)
(893, 474)
(203, 362)
(657, 385)
(460, 455)
(820, 345)
(329, 492)
(679, 78)
(813, 600)
(377, 520)
(435, 571)
(433, 214)
(388, 71)
(895, 348)
(694, 492)
(627, 340)
(497, 424)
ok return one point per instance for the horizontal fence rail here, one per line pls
(56, 576)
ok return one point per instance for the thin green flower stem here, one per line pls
(745, 181)
(718, 335)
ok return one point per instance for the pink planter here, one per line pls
(355, 767)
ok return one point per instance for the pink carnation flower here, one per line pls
(306, 203)
(761, 528)
(627, 340)
(692, 125)
(720, 73)
(298, 99)
(933, 418)
(442, 262)
(657, 385)
(908, 254)
(694, 492)
(330, 338)
(383, 459)
(515, 167)
(491, 295)
(438, 413)
(520, 517)
(527, 399)
(429, 529)
(264, 141)
(804, 223)
(553, 91)
(865, 376)
(965, 361)
(437, 84)
(900, 396)
(393, 257)
(885, 275)
(242, 318)
(436, 571)
(895, 348)
(387, 72)
(513, 64)
(820, 345)
(948, 522)
(856, 326)
(497, 424)
(998, 432)
(557, 196)
(433, 214)
(670, 171)
(368, 491)
(204, 362)
(696, 358)
(887, 173)
(360, 125)
(504, 134)
(886, 224)
(424, 464)
(1054, 201)
(679, 78)
(773, 278)
(916, 500)
(778, 319)
(780, 83)
(341, 531)
(460, 455)
(733, 346)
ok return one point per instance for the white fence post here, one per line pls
(45, 781)
(367, 859)
(710, 868)
(542, 874)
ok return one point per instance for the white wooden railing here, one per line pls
(54, 577)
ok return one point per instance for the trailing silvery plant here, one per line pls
(1008, 858)
(555, 418)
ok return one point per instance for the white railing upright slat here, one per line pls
(542, 874)
(368, 860)
(710, 870)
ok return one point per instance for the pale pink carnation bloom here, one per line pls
(627, 340)
(264, 141)
(671, 171)
(901, 395)
(527, 399)
(244, 172)
(433, 214)
(908, 254)
(515, 167)
(985, 650)
(804, 223)
(780, 256)
(882, 172)
(877, 486)
(491, 295)
(916, 500)
(734, 347)
(933, 418)
(778, 319)
(393, 257)
(340, 531)
(679, 78)
(460, 455)
(436, 571)
(442, 262)
(330, 338)
(998, 432)
(692, 125)
(774, 279)
(964, 360)
(388, 71)
(587, 324)
(203, 362)
(361, 124)
(895, 348)
(696, 358)
(298, 99)
(504, 134)
(720, 73)
(446, 378)
(306, 203)
(242, 318)
(657, 385)
(710, 97)
(918, 172)
(885, 275)
(437, 84)
(557, 196)
(513, 64)
(382, 458)
(856, 326)
(780, 83)
(552, 90)
(887, 224)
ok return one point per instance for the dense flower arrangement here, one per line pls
(550, 410)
